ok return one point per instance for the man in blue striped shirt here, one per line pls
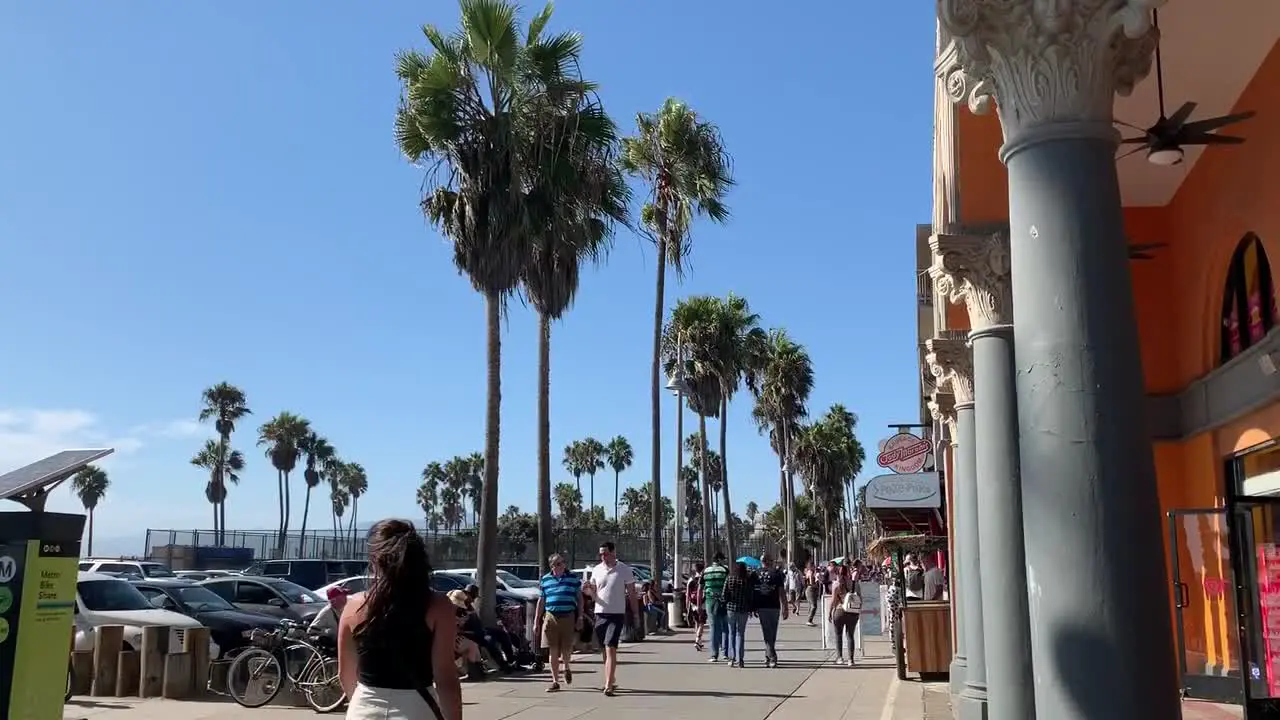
(559, 617)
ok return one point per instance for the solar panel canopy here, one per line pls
(49, 471)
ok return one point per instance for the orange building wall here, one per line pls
(1230, 191)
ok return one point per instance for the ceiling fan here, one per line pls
(1142, 251)
(1164, 140)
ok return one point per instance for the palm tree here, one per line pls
(225, 404)
(339, 499)
(573, 462)
(786, 379)
(210, 459)
(451, 509)
(569, 500)
(592, 462)
(484, 106)
(752, 511)
(90, 484)
(620, 456)
(827, 454)
(316, 452)
(475, 484)
(682, 160)
(356, 483)
(433, 477)
(282, 436)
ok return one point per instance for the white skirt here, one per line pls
(373, 703)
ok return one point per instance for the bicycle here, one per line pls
(272, 659)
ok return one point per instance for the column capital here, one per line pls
(1045, 62)
(974, 269)
(942, 406)
(951, 362)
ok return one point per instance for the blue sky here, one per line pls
(196, 192)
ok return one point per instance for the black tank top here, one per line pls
(396, 654)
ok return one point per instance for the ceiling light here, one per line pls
(1165, 156)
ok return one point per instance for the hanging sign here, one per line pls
(904, 453)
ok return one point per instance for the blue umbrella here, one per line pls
(749, 561)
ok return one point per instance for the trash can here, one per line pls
(676, 615)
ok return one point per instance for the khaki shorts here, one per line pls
(559, 634)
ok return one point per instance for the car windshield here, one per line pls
(200, 599)
(111, 596)
(156, 570)
(294, 593)
(514, 582)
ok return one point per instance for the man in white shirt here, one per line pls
(612, 586)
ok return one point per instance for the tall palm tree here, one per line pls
(433, 478)
(578, 198)
(475, 485)
(225, 404)
(620, 456)
(690, 337)
(682, 160)
(210, 458)
(282, 436)
(90, 484)
(573, 462)
(356, 482)
(782, 395)
(827, 453)
(316, 452)
(592, 463)
(483, 106)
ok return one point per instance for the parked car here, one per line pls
(528, 572)
(268, 596)
(227, 624)
(355, 584)
(508, 582)
(126, 568)
(310, 574)
(198, 575)
(106, 600)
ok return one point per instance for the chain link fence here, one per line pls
(185, 549)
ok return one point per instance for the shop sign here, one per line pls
(918, 490)
(904, 453)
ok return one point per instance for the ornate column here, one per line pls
(942, 408)
(975, 269)
(1102, 648)
(950, 362)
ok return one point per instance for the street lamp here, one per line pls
(678, 385)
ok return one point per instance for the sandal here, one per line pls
(568, 676)
(610, 690)
(553, 687)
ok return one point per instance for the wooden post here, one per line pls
(127, 674)
(108, 639)
(177, 676)
(82, 663)
(195, 642)
(155, 643)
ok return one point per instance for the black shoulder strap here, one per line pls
(431, 702)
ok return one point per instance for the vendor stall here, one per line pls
(907, 512)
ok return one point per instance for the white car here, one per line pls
(358, 583)
(507, 581)
(108, 600)
(133, 569)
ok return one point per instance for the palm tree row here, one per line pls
(528, 183)
(286, 439)
(446, 487)
(588, 456)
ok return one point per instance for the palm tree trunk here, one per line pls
(655, 400)
(220, 514)
(615, 494)
(545, 539)
(708, 522)
(487, 565)
(90, 532)
(730, 541)
(280, 503)
(306, 508)
(591, 481)
(288, 511)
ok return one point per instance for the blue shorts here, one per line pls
(609, 628)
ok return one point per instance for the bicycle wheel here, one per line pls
(321, 686)
(255, 678)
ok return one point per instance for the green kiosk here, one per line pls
(39, 556)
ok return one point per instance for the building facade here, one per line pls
(1097, 340)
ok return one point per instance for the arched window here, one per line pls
(1249, 301)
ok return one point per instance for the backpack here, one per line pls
(852, 601)
(915, 580)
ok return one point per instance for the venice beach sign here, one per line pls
(904, 453)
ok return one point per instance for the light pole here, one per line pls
(677, 384)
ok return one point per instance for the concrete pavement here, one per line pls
(661, 675)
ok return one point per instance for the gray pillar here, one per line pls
(1101, 631)
(1004, 572)
(1102, 639)
(942, 408)
(972, 702)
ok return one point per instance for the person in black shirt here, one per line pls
(770, 603)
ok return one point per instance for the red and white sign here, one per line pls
(904, 453)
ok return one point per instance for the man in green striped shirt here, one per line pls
(712, 590)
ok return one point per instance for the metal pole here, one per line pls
(679, 485)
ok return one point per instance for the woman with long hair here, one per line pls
(846, 606)
(396, 639)
(739, 602)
